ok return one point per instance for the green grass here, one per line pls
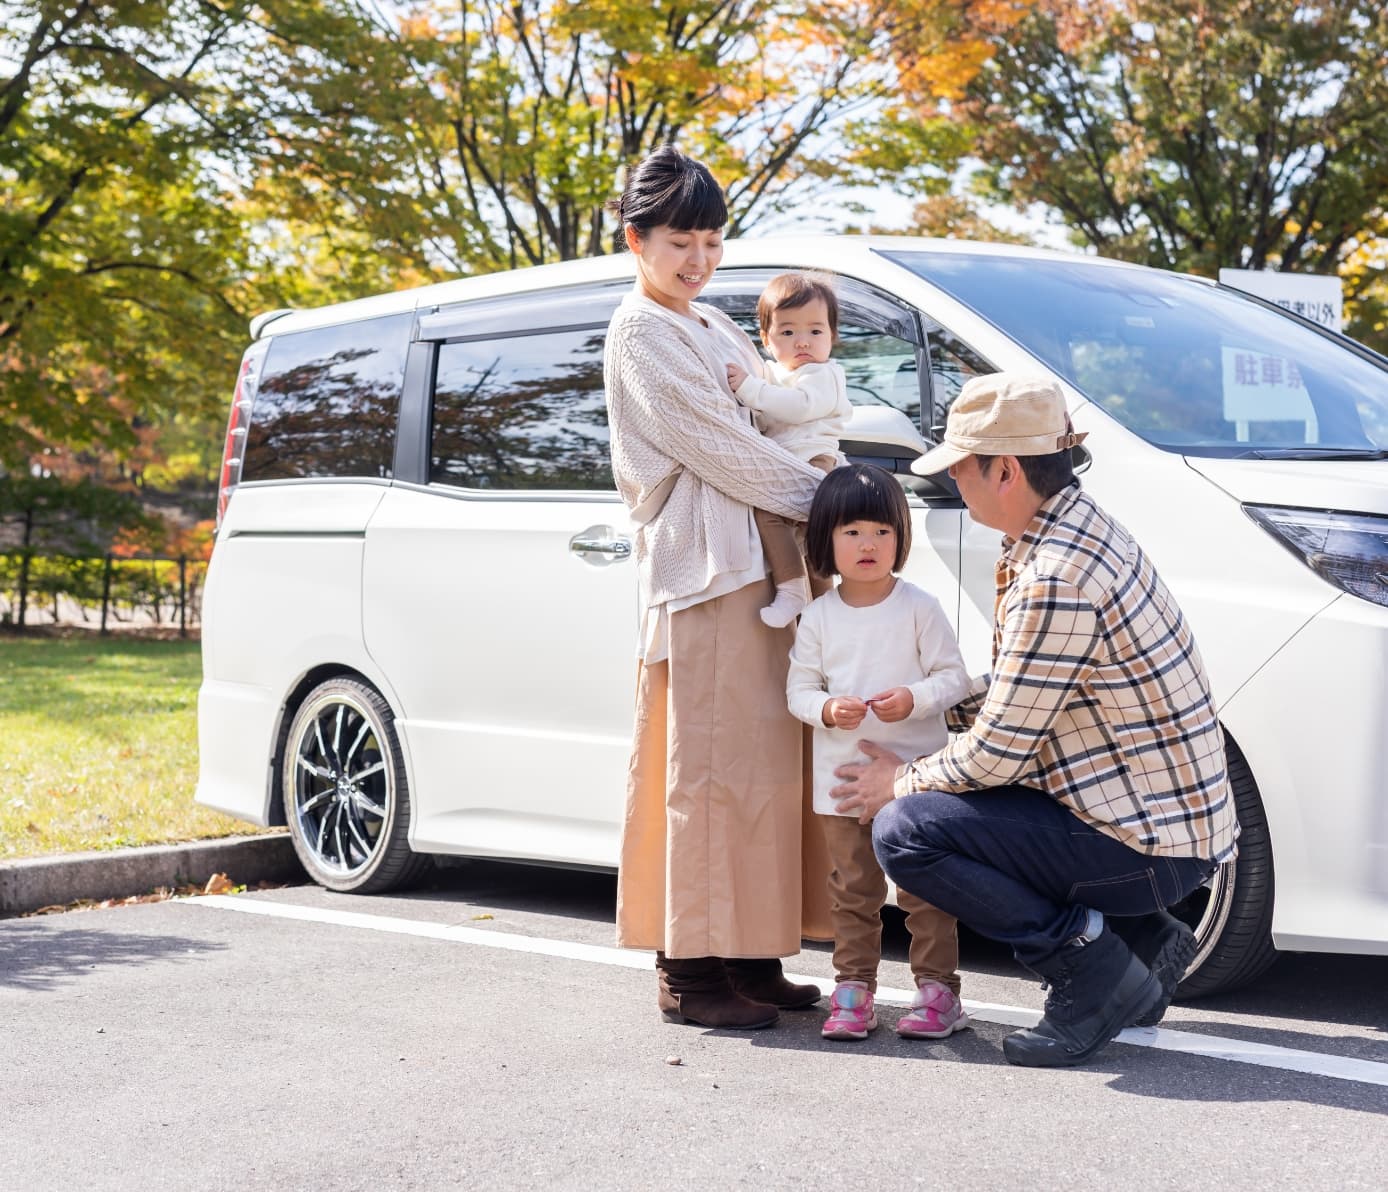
(98, 745)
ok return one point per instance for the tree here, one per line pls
(119, 284)
(173, 166)
(1192, 134)
(488, 135)
(1364, 273)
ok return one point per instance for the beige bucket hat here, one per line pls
(1003, 413)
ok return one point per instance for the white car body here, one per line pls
(507, 659)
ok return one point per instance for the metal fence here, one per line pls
(107, 592)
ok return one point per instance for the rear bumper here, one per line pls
(236, 730)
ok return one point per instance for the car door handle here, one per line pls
(600, 545)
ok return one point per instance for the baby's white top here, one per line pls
(806, 410)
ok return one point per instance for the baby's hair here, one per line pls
(668, 188)
(855, 492)
(789, 291)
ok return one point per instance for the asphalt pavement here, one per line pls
(482, 1033)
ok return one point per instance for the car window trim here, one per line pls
(596, 496)
(458, 322)
(519, 333)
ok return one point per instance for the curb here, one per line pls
(36, 882)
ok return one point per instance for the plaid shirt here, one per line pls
(1098, 695)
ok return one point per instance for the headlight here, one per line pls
(1350, 550)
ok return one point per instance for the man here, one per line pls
(1087, 788)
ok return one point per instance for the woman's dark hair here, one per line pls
(855, 492)
(668, 188)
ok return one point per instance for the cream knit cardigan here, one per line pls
(688, 462)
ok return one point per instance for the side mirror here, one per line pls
(884, 436)
(885, 431)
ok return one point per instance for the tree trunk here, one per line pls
(25, 555)
(105, 592)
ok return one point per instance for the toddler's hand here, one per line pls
(844, 711)
(736, 375)
(893, 705)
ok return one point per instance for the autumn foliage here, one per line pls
(171, 168)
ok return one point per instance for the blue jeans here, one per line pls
(1016, 866)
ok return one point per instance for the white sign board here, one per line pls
(1260, 387)
(1311, 295)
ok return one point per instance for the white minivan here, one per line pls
(420, 616)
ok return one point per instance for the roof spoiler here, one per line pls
(258, 323)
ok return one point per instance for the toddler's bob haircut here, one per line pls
(855, 492)
(670, 189)
(790, 291)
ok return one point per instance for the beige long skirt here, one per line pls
(721, 854)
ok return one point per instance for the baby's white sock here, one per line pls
(791, 598)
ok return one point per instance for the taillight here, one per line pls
(239, 422)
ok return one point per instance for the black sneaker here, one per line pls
(1095, 990)
(1166, 946)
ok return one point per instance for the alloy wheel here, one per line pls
(340, 778)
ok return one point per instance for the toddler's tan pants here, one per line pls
(857, 890)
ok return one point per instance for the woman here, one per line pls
(712, 848)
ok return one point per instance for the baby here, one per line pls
(802, 403)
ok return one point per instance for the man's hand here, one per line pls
(844, 711)
(867, 786)
(892, 705)
(736, 375)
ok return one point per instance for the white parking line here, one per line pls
(1289, 1059)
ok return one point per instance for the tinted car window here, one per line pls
(328, 400)
(1189, 367)
(952, 363)
(523, 412)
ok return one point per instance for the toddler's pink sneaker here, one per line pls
(851, 1015)
(934, 1014)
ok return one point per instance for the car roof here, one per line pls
(834, 253)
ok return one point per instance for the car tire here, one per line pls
(1232, 913)
(346, 797)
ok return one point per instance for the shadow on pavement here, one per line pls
(1140, 1071)
(1242, 1084)
(39, 958)
(1316, 986)
(1300, 988)
(1348, 1046)
(535, 889)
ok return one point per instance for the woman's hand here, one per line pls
(736, 375)
(892, 705)
(844, 711)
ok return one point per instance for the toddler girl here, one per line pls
(802, 403)
(874, 658)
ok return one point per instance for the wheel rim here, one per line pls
(1206, 910)
(343, 778)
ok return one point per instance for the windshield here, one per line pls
(1191, 368)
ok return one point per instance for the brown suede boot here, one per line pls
(763, 981)
(698, 991)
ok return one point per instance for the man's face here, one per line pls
(979, 491)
